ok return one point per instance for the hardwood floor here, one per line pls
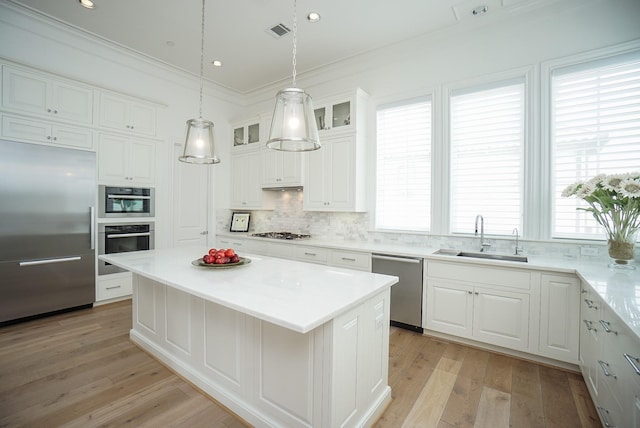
(80, 370)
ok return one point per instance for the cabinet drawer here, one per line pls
(113, 287)
(494, 276)
(230, 243)
(351, 259)
(312, 254)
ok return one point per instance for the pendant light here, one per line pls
(293, 127)
(199, 146)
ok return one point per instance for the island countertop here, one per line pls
(296, 295)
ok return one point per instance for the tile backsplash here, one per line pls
(289, 216)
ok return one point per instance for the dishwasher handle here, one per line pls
(395, 259)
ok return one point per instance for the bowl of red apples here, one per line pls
(221, 257)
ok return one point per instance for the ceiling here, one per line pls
(235, 31)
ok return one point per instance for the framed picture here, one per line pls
(240, 222)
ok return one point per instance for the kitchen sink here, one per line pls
(489, 256)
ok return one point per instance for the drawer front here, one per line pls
(312, 254)
(112, 288)
(494, 276)
(230, 243)
(351, 259)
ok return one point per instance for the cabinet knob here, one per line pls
(470, 292)
(48, 110)
(55, 112)
(48, 137)
(476, 293)
(55, 138)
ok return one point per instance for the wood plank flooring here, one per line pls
(81, 370)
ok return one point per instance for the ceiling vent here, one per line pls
(278, 30)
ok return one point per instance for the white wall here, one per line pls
(41, 43)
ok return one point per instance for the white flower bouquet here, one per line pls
(614, 201)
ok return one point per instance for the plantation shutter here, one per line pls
(595, 128)
(487, 141)
(403, 166)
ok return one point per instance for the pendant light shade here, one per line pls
(293, 127)
(199, 145)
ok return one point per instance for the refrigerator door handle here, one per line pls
(47, 261)
(92, 227)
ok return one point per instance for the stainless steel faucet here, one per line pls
(515, 232)
(482, 243)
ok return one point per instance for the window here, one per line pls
(403, 168)
(595, 128)
(487, 142)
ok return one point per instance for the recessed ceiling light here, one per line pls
(480, 10)
(217, 63)
(313, 17)
(87, 3)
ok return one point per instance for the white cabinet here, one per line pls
(341, 113)
(125, 114)
(491, 305)
(589, 338)
(235, 243)
(317, 255)
(246, 181)
(38, 131)
(126, 160)
(350, 259)
(281, 169)
(334, 176)
(559, 317)
(246, 134)
(45, 95)
(113, 286)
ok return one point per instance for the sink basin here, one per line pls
(488, 256)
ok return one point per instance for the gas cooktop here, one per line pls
(281, 235)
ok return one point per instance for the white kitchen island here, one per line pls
(281, 343)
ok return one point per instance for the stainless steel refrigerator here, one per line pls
(47, 254)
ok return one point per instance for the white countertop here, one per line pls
(295, 295)
(619, 288)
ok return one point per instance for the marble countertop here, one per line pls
(295, 295)
(619, 288)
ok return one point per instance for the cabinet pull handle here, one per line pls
(348, 259)
(589, 325)
(590, 304)
(605, 326)
(583, 291)
(605, 369)
(633, 360)
(111, 288)
(310, 254)
(604, 413)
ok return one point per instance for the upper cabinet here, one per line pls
(125, 160)
(125, 114)
(246, 134)
(344, 113)
(281, 169)
(36, 93)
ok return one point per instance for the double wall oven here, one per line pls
(120, 233)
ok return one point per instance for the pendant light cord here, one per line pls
(201, 58)
(295, 31)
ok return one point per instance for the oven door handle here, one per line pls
(127, 197)
(128, 235)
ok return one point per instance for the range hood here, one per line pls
(283, 188)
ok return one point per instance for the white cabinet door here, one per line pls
(125, 160)
(281, 169)
(590, 332)
(43, 95)
(501, 318)
(330, 181)
(127, 115)
(559, 317)
(449, 308)
(246, 180)
(36, 131)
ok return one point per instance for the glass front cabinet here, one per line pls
(246, 134)
(340, 114)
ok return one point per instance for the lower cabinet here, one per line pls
(609, 361)
(498, 317)
(113, 286)
(559, 317)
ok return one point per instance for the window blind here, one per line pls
(595, 129)
(487, 140)
(403, 166)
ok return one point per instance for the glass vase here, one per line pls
(621, 250)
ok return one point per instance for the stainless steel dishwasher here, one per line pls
(406, 295)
